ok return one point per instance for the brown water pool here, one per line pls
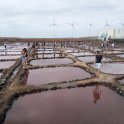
(113, 68)
(89, 105)
(58, 74)
(6, 64)
(51, 61)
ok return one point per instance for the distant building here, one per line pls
(111, 33)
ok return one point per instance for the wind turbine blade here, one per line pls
(107, 24)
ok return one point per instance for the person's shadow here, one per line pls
(96, 94)
(25, 78)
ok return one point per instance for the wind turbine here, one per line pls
(107, 25)
(91, 25)
(106, 30)
(54, 25)
(72, 24)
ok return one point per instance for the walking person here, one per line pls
(28, 44)
(98, 62)
(113, 45)
(34, 52)
(5, 46)
(24, 57)
(89, 44)
(102, 46)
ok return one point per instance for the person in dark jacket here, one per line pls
(98, 61)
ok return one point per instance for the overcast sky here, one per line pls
(32, 18)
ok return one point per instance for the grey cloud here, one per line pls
(31, 17)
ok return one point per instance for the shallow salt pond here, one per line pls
(113, 52)
(45, 49)
(10, 57)
(10, 53)
(48, 52)
(121, 81)
(91, 59)
(6, 64)
(13, 46)
(89, 105)
(113, 68)
(82, 54)
(48, 55)
(71, 50)
(57, 74)
(50, 61)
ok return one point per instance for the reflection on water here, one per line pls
(58, 74)
(96, 94)
(25, 78)
(74, 106)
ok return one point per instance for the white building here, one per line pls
(112, 33)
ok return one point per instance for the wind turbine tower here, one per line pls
(54, 27)
(72, 24)
(90, 33)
